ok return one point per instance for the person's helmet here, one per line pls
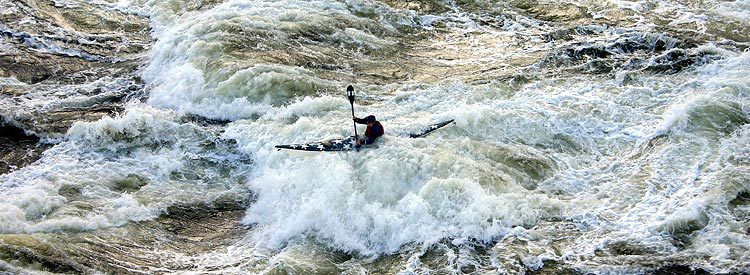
(370, 119)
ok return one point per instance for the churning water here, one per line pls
(590, 136)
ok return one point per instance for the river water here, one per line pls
(590, 137)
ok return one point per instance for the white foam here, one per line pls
(49, 44)
(737, 10)
(11, 81)
(638, 6)
(687, 179)
(76, 184)
(204, 80)
(360, 38)
(678, 14)
(372, 213)
(374, 202)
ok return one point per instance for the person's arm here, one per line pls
(359, 120)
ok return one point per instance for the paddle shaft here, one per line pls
(350, 94)
(355, 123)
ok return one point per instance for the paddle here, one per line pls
(350, 94)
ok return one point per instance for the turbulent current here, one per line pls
(590, 136)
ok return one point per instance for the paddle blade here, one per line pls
(350, 93)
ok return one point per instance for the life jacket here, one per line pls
(374, 131)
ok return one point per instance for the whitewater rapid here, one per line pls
(601, 137)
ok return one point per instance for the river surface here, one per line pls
(603, 137)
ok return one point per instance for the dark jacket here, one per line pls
(373, 131)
